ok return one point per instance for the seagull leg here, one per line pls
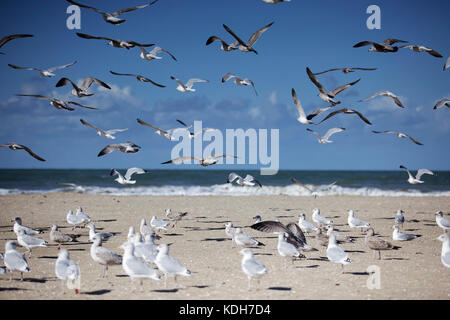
(10, 275)
(379, 255)
(62, 287)
(249, 287)
(21, 276)
(165, 281)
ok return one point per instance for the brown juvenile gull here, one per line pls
(386, 94)
(126, 147)
(346, 111)
(399, 135)
(43, 72)
(376, 243)
(239, 81)
(416, 179)
(385, 46)
(247, 47)
(107, 134)
(117, 43)
(344, 70)
(139, 78)
(442, 102)
(174, 216)
(61, 237)
(419, 48)
(112, 17)
(103, 255)
(57, 103)
(328, 96)
(208, 161)
(81, 92)
(6, 39)
(15, 146)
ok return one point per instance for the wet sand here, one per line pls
(199, 242)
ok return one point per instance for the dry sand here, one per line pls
(199, 242)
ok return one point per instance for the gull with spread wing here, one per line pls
(247, 47)
(43, 72)
(139, 78)
(385, 46)
(344, 70)
(108, 134)
(153, 54)
(15, 146)
(127, 178)
(57, 103)
(420, 173)
(327, 135)
(81, 92)
(126, 147)
(386, 94)
(116, 43)
(208, 161)
(239, 81)
(399, 135)
(6, 39)
(188, 86)
(346, 111)
(420, 48)
(247, 181)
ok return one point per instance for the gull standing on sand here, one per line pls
(386, 94)
(61, 237)
(15, 146)
(19, 226)
(321, 238)
(152, 55)
(116, 43)
(169, 265)
(112, 17)
(335, 253)
(442, 102)
(135, 268)
(247, 181)
(250, 266)
(131, 234)
(103, 235)
(159, 224)
(126, 180)
(239, 81)
(147, 250)
(247, 47)
(445, 252)
(327, 135)
(75, 220)
(244, 240)
(82, 216)
(340, 237)
(400, 236)
(29, 242)
(230, 231)
(400, 135)
(355, 222)
(287, 250)
(103, 255)
(399, 218)
(107, 134)
(125, 147)
(43, 72)
(14, 260)
(57, 103)
(420, 172)
(188, 86)
(328, 96)
(145, 229)
(376, 243)
(420, 48)
(81, 92)
(319, 219)
(442, 222)
(67, 271)
(305, 225)
(257, 219)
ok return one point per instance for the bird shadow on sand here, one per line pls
(355, 251)
(96, 292)
(280, 288)
(413, 220)
(35, 280)
(212, 221)
(318, 259)
(285, 216)
(200, 286)
(165, 290)
(358, 273)
(48, 257)
(263, 254)
(106, 220)
(215, 239)
(12, 289)
(203, 229)
(400, 259)
(385, 218)
(173, 234)
(78, 249)
(313, 266)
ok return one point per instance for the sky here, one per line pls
(315, 34)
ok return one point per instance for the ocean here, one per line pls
(213, 182)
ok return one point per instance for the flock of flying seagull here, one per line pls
(291, 237)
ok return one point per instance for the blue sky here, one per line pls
(317, 34)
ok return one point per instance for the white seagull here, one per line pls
(420, 48)
(169, 265)
(447, 64)
(400, 135)
(385, 46)
(107, 134)
(112, 17)
(159, 224)
(319, 219)
(188, 86)
(127, 178)
(147, 250)
(44, 72)
(169, 133)
(386, 94)
(208, 161)
(445, 252)
(420, 172)
(247, 181)
(442, 222)
(244, 240)
(19, 226)
(441, 103)
(29, 242)
(126, 147)
(250, 266)
(81, 92)
(355, 222)
(305, 225)
(335, 253)
(400, 236)
(239, 81)
(14, 260)
(145, 229)
(103, 235)
(117, 43)
(329, 133)
(286, 249)
(247, 46)
(67, 271)
(301, 113)
(57, 103)
(399, 217)
(152, 55)
(139, 78)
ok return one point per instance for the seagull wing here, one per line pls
(123, 74)
(335, 69)
(332, 131)
(364, 43)
(180, 160)
(156, 50)
(348, 111)
(318, 111)
(191, 82)
(87, 36)
(112, 131)
(298, 105)
(250, 178)
(63, 81)
(84, 6)
(61, 67)
(233, 176)
(87, 124)
(342, 88)
(270, 226)
(132, 171)
(421, 172)
(132, 8)
(295, 229)
(386, 131)
(115, 172)
(149, 125)
(391, 41)
(34, 96)
(179, 82)
(32, 153)
(314, 132)
(440, 103)
(255, 36)
(23, 68)
(81, 105)
(414, 140)
(223, 156)
(227, 77)
(108, 149)
(300, 184)
(12, 37)
(235, 36)
(88, 82)
(314, 80)
(363, 68)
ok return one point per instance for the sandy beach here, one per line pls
(414, 271)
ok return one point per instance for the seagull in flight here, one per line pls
(275, 1)
(328, 96)
(247, 47)
(107, 134)
(57, 103)
(239, 81)
(126, 147)
(329, 133)
(247, 181)
(420, 172)
(447, 64)
(346, 111)
(344, 70)
(188, 86)
(112, 17)
(224, 46)
(208, 161)
(385, 46)
(301, 113)
(6, 39)
(139, 78)
(15, 146)
(116, 43)
(400, 135)
(43, 72)
(168, 134)
(81, 92)
(442, 102)
(127, 178)
(314, 191)
(386, 94)
(419, 48)
(153, 54)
